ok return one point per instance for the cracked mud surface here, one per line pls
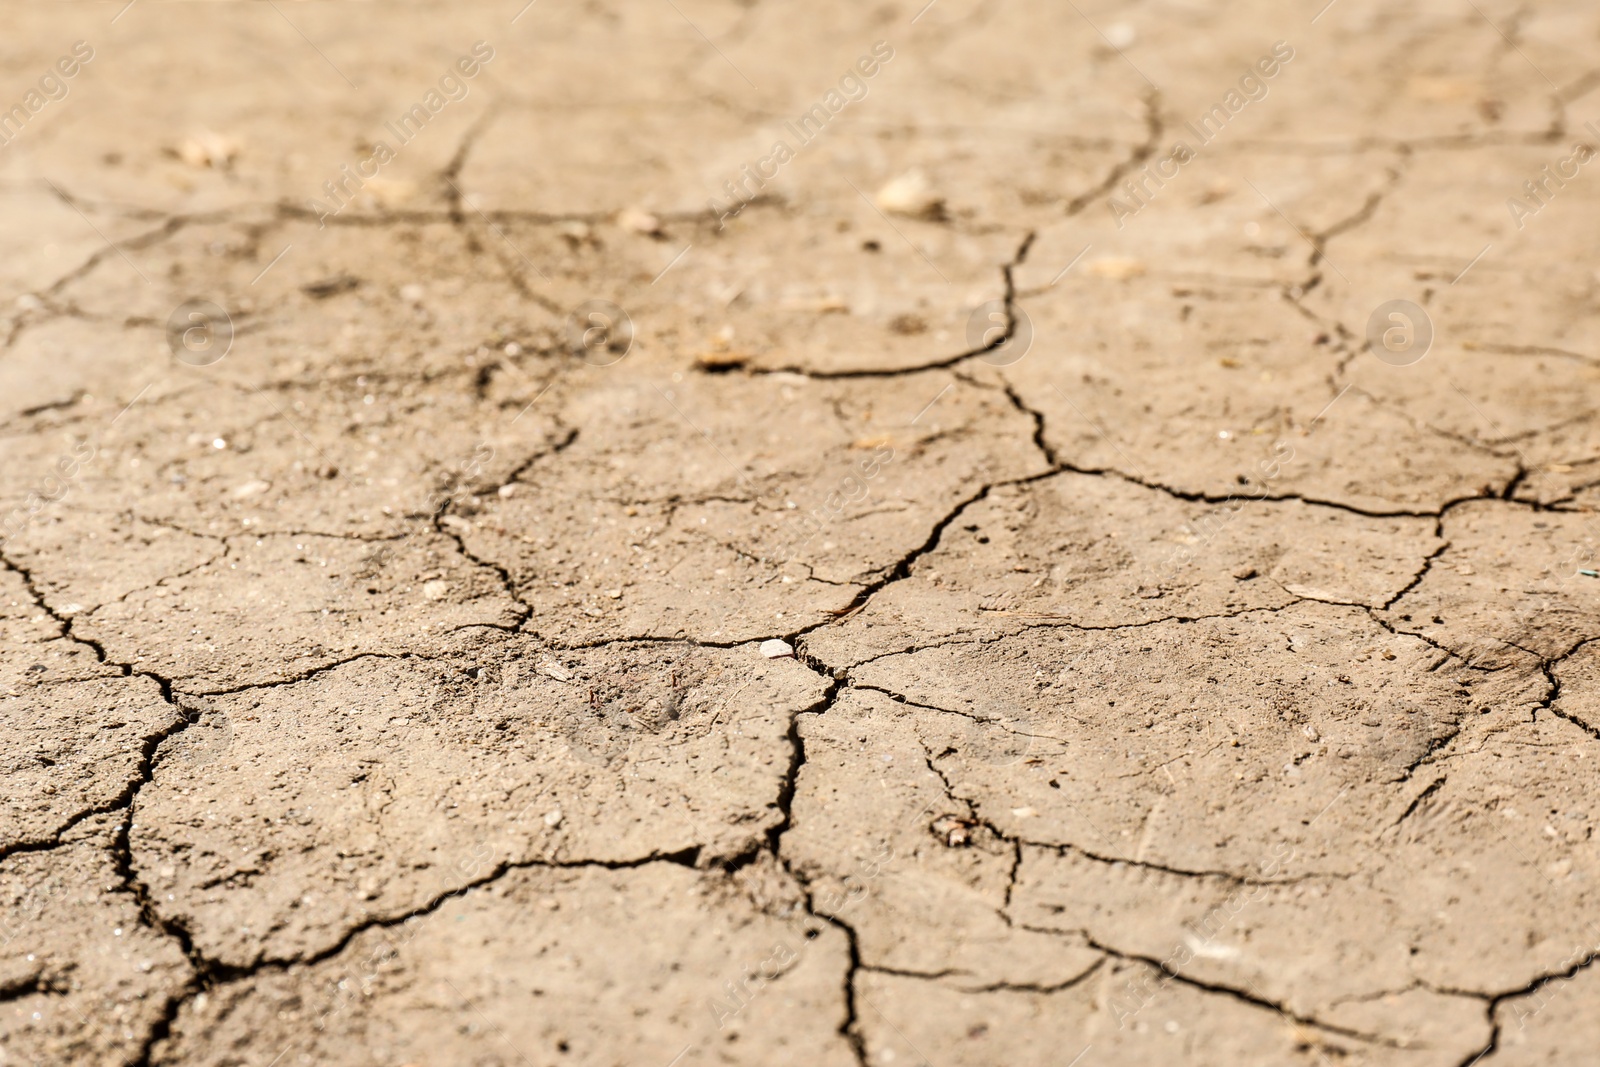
(1183, 670)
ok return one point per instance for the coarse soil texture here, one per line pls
(688, 532)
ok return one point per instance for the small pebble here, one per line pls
(1121, 35)
(1117, 268)
(638, 221)
(436, 590)
(207, 149)
(776, 649)
(956, 832)
(910, 194)
(552, 819)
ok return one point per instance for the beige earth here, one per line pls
(714, 532)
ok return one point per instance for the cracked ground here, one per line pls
(1088, 556)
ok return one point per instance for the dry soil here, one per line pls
(1158, 436)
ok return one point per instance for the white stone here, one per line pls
(910, 194)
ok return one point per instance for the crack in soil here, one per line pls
(208, 973)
